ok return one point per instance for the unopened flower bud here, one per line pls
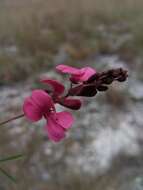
(102, 88)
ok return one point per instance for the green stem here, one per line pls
(13, 179)
(9, 158)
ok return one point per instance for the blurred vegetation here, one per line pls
(33, 31)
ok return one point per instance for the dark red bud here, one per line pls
(108, 80)
(102, 88)
(74, 104)
(83, 90)
(116, 72)
(93, 78)
(86, 90)
(122, 79)
(76, 90)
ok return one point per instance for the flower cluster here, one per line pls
(85, 82)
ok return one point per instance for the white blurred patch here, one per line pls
(108, 144)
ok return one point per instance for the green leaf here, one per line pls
(13, 179)
(9, 158)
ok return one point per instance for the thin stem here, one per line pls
(11, 119)
(8, 175)
(9, 158)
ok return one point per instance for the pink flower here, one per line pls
(57, 91)
(77, 75)
(39, 105)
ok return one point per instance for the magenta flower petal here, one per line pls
(77, 75)
(69, 70)
(41, 104)
(57, 87)
(74, 104)
(65, 119)
(43, 100)
(88, 72)
(32, 111)
(55, 131)
(38, 105)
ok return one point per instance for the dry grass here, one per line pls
(40, 27)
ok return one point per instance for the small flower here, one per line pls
(39, 105)
(77, 75)
(57, 91)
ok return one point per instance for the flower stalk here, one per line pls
(12, 119)
(85, 82)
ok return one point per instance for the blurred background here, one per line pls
(103, 150)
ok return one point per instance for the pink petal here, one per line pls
(65, 119)
(38, 105)
(57, 86)
(55, 131)
(77, 75)
(87, 73)
(68, 69)
(42, 100)
(74, 104)
(31, 111)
